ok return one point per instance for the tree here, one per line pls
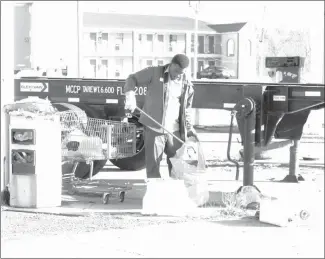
(287, 42)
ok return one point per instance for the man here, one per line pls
(168, 100)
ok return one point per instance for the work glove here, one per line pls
(130, 102)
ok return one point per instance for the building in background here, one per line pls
(115, 45)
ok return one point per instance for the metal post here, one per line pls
(78, 38)
(294, 161)
(294, 164)
(195, 48)
(249, 146)
(246, 113)
(196, 12)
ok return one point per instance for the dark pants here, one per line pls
(156, 144)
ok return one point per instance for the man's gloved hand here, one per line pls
(192, 133)
(130, 101)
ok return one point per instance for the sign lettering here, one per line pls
(91, 89)
(34, 87)
(72, 89)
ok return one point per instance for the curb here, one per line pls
(261, 162)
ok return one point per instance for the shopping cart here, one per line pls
(87, 139)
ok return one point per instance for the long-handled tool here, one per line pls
(141, 111)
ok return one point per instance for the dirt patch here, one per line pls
(17, 224)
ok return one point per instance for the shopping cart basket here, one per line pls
(87, 139)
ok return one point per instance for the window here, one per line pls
(211, 44)
(249, 48)
(161, 38)
(211, 63)
(172, 38)
(218, 45)
(192, 43)
(103, 39)
(200, 66)
(172, 42)
(103, 68)
(118, 41)
(92, 71)
(218, 62)
(119, 38)
(92, 36)
(230, 48)
(118, 67)
(201, 45)
(160, 62)
(119, 63)
(93, 40)
(149, 62)
(149, 37)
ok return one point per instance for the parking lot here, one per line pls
(119, 230)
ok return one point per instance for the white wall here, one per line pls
(54, 34)
(7, 69)
(112, 65)
(247, 60)
(160, 49)
(108, 47)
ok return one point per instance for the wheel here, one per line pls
(71, 190)
(122, 196)
(106, 198)
(136, 162)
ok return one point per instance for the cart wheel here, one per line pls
(106, 198)
(71, 190)
(304, 214)
(122, 196)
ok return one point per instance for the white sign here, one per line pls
(34, 87)
(111, 100)
(279, 98)
(312, 93)
(229, 105)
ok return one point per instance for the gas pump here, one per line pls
(284, 69)
(288, 70)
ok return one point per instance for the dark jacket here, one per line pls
(155, 79)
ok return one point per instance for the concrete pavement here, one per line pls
(189, 240)
(245, 238)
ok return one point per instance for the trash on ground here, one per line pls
(189, 165)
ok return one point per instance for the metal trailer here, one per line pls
(262, 111)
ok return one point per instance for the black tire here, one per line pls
(106, 198)
(136, 162)
(122, 196)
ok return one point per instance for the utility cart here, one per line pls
(87, 139)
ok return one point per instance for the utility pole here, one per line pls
(195, 65)
(196, 13)
(79, 26)
(262, 44)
